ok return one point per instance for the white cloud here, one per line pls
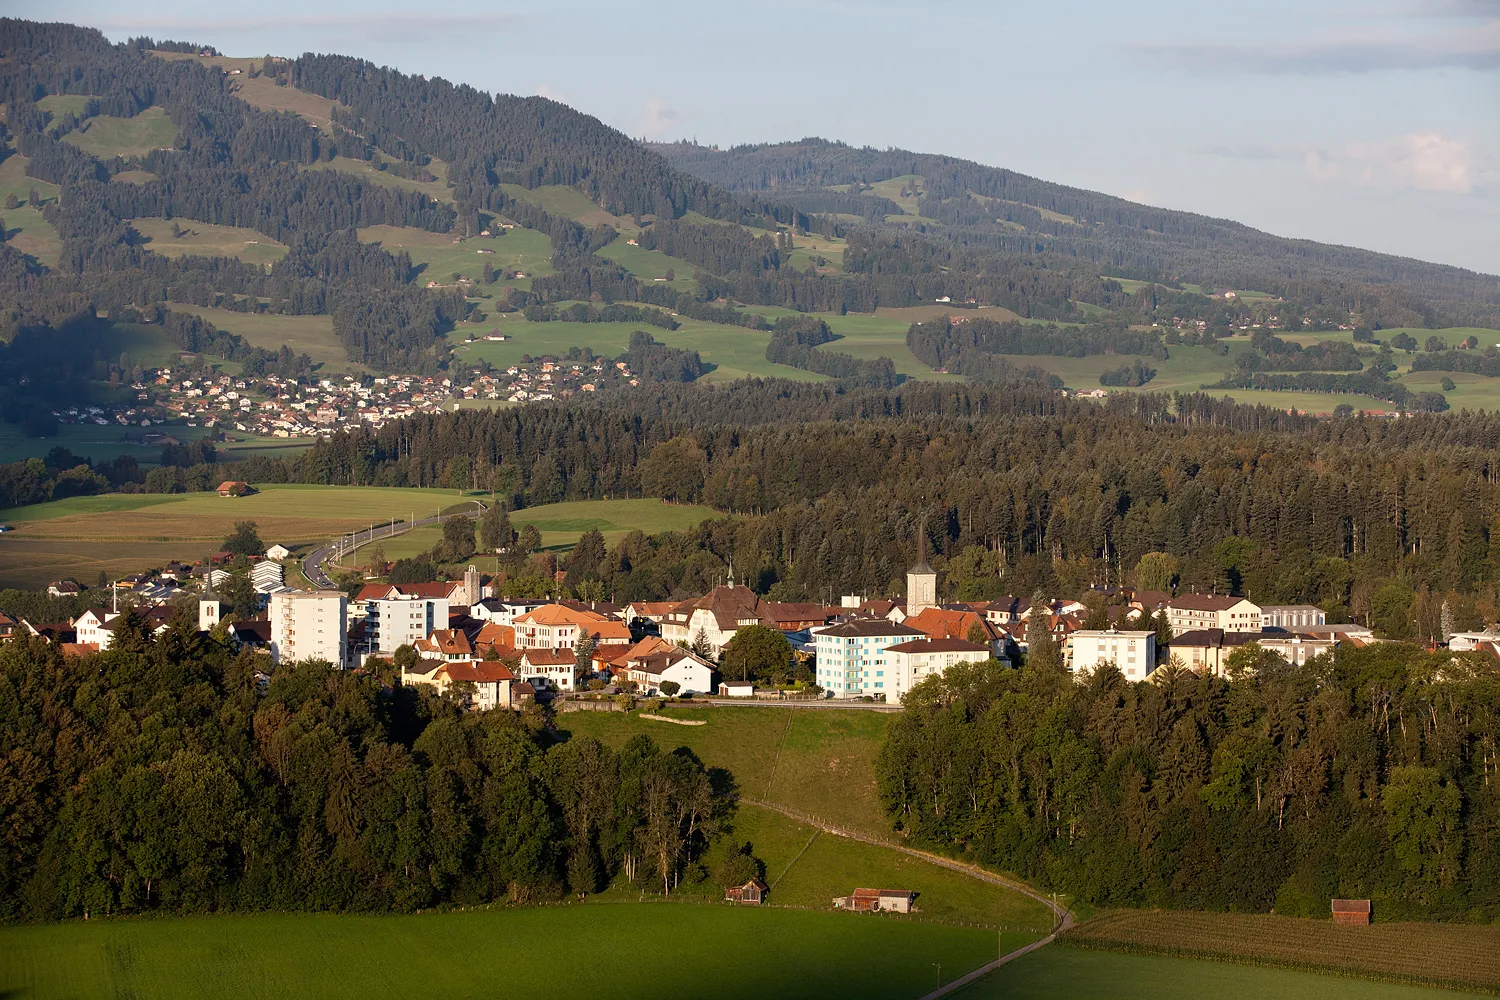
(658, 118)
(542, 90)
(1421, 161)
(1138, 195)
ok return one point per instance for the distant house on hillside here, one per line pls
(235, 488)
(877, 900)
(64, 588)
(278, 552)
(752, 893)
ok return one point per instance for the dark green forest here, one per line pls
(1369, 774)
(160, 777)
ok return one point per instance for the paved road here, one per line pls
(312, 565)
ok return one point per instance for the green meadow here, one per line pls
(649, 265)
(437, 190)
(105, 136)
(519, 249)
(203, 239)
(310, 335)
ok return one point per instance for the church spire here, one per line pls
(921, 566)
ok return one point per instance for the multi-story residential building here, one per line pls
(555, 626)
(1134, 653)
(852, 659)
(1190, 612)
(393, 622)
(1208, 650)
(910, 663)
(1291, 616)
(310, 625)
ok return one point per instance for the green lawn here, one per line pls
(648, 265)
(310, 335)
(1054, 972)
(207, 240)
(624, 951)
(820, 762)
(106, 136)
(98, 442)
(519, 249)
(28, 232)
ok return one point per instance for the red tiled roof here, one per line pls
(549, 657)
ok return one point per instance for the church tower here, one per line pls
(209, 608)
(472, 588)
(921, 581)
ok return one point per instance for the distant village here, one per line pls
(496, 651)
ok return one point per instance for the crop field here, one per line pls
(734, 953)
(120, 534)
(561, 524)
(204, 239)
(1053, 972)
(28, 232)
(1455, 955)
(819, 762)
(106, 136)
(519, 249)
(570, 203)
(310, 335)
(648, 265)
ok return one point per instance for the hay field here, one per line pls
(105, 136)
(204, 239)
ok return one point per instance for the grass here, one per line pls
(58, 105)
(805, 248)
(310, 335)
(106, 136)
(437, 190)
(644, 950)
(1054, 972)
(892, 189)
(1453, 955)
(64, 537)
(28, 232)
(519, 249)
(204, 239)
(820, 762)
(13, 180)
(133, 177)
(102, 443)
(561, 524)
(648, 265)
(570, 203)
(262, 92)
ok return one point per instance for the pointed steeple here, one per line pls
(921, 566)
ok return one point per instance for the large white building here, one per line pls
(310, 625)
(1291, 616)
(915, 661)
(852, 658)
(1188, 612)
(1134, 653)
(399, 621)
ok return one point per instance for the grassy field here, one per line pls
(102, 443)
(648, 265)
(28, 232)
(106, 136)
(13, 180)
(262, 92)
(633, 951)
(1053, 972)
(58, 105)
(561, 524)
(310, 335)
(519, 249)
(121, 534)
(437, 190)
(204, 239)
(820, 762)
(570, 203)
(1455, 955)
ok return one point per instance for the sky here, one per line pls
(1372, 124)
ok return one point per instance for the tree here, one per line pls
(458, 540)
(757, 652)
(1423, 821)
(1042, 655)
(1156, 571)
(583, 653)
(245, 541)
(669, 688)
(977, 635)
(495, 531)
(701, 646)
(675, 470)
(587, 557)
(530, 540)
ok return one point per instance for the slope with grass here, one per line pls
(204, 239)
(1053, 972)
(310, 335)
(819, 762)
(650, 266)
(441, 255)
(106, 136)
(128, 533)
(621, 950)
(369, 170)
(26, 230)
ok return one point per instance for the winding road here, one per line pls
(312, 564)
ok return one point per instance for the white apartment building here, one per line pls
(852, 657)
(1133, 652)
(1188, 612)
(400, 621)
(915, 661)
(1291, 616)
(310, 625)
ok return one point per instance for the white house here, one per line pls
(1188, 612)
(1134, 653)
(736, 689)
(91, 627)
(278, 552)
(555, 626)
(310, 625)
(691, 672)
(852, 658)
(490, 683)
(554, 668)
(913, 662)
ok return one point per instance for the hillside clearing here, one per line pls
(106, 136)
(441, 255)
(204, 239)
(310, 335)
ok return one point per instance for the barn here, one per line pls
(1354, 912)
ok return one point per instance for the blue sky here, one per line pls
(1372, 124)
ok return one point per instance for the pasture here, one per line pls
(58, 105)
(28, 232)
(105, 136)
(126, 533)
(99, 442)
(262, 92)
(1453, 955)
(649, 265)
(13, 180)
(204, 239)
(524, 250)
(437, 190)
(819, 762)
(570, 203)
(1053, 972)
(648, 950)
(132, 177)
(310, 335)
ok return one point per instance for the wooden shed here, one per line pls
(1355, 912)
(752, 893)
(873, 900)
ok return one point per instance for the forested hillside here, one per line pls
(994, 209)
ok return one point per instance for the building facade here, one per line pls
(852, 658)
(1189, 612)
(399, 621)
(1134, 653)
(915, 661)
(310, 625)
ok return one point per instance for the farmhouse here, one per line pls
(64, 588)
(278, 552)
(877, 900)
(235, 488)
(653, 662)
(554, 668)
